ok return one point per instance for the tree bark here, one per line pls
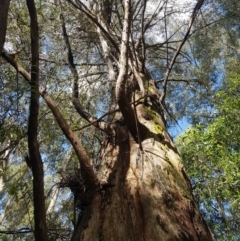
(4, 6)
(148, 195)
(145, 193)
(139, 189)
(40, 231)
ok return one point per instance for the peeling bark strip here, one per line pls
(4, 6)
(33, 147)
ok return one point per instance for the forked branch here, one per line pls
(103, 126)
(120, 92)
(83, 8)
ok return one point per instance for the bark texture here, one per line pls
(148, 195)
(139, 189)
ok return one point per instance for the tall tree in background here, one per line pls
(135, 187)
(211, 156)
(209, 148)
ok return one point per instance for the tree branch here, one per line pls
(148, 24)
(142, 36)
(120, 91)
(75, 93)
(82, 7)
(71, 64)
(101, 125)
(194, 14)
(83, 158)
(176, 80)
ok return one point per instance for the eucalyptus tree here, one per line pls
(130, 183)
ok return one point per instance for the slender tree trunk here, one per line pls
(53, 200)
(4, 6)
(33, 146)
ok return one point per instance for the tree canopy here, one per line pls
(79, 78)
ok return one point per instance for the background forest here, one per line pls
(202, 106)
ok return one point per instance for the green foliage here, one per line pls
(213, 166)
(211, 154)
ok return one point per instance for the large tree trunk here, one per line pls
(4, 6)
(148, 195)
(139, 189)
(144, 191)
